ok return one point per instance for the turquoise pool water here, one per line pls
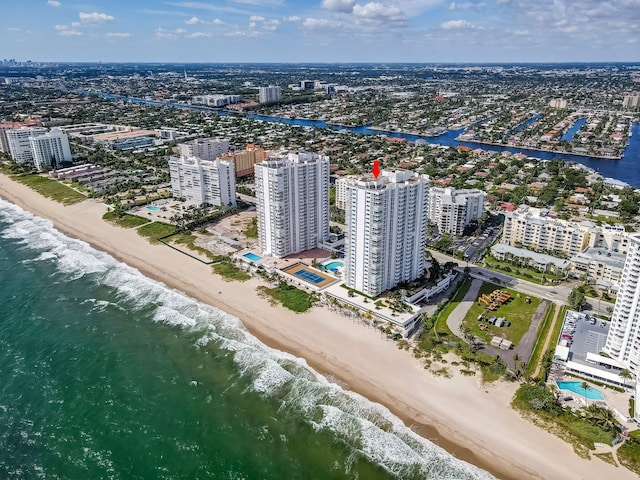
(576, 387)
(335, 265)
(153, 208)
(252, 256)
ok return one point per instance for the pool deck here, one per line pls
(327, 279)
(618, 402)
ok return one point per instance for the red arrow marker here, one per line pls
(376, 169)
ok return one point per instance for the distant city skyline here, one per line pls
(321, 31)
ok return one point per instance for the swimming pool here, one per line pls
(153, 208)
(576, 387)
(334, 266)
(252, 256)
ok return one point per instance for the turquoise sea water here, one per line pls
(106, 374)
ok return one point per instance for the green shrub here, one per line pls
(156, 230)
(288, 296)
(51, 189)
(126, 220)
(229, 271)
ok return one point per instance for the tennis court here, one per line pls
(310, 275)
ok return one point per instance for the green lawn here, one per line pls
(51, 189)
(252, 229)
(441, 323)
(288, 296)
(516, 310)
(229, 271)
(156, 230)
(523, 273)
(629, 455)
(126, 221)
(541, 337)
(440, 330)
(569, 427)
(188, 240)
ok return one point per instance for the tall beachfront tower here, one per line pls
(623, 340)
(386, 230)
(20, 145)
(293, 202)
(50, 149)
(203, 181)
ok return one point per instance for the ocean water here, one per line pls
(106, 374)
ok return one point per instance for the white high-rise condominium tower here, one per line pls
(203, 181)
(19, 144)
(204, 148)
(452, 210)
(623, 340)
(50, 149)
(293, 203)
(386, 230)
(272, 93)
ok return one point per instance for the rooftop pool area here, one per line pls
(576, 387)
(153, 208)
(252, 256)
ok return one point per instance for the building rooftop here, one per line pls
(601, 255)
(540, 258)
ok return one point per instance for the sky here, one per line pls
(320, 30)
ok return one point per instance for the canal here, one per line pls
(626, 169)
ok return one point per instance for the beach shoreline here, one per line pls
(469, 420)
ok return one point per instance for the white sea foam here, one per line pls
(369, 429)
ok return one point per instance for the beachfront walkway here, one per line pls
(454, 322)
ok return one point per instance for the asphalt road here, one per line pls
(556, 293)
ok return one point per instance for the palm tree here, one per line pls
(603, 418)
(626, 375)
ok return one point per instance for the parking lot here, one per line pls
(583, 334)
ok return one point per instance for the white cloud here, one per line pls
(378, 11)
(70, 33)
(75, 24)
(53, 3)
(61, 27)
(292, 18)
(344, 6)
(199, 35)
(256, 18)
(194, 21)
(118, 34)
(456, 24)
(467, 6)
(412, 8)
(95, 17)
(162, 34)
(320, 23)
(15, 29)
(217, 21)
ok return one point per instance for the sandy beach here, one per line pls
(472, 421)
